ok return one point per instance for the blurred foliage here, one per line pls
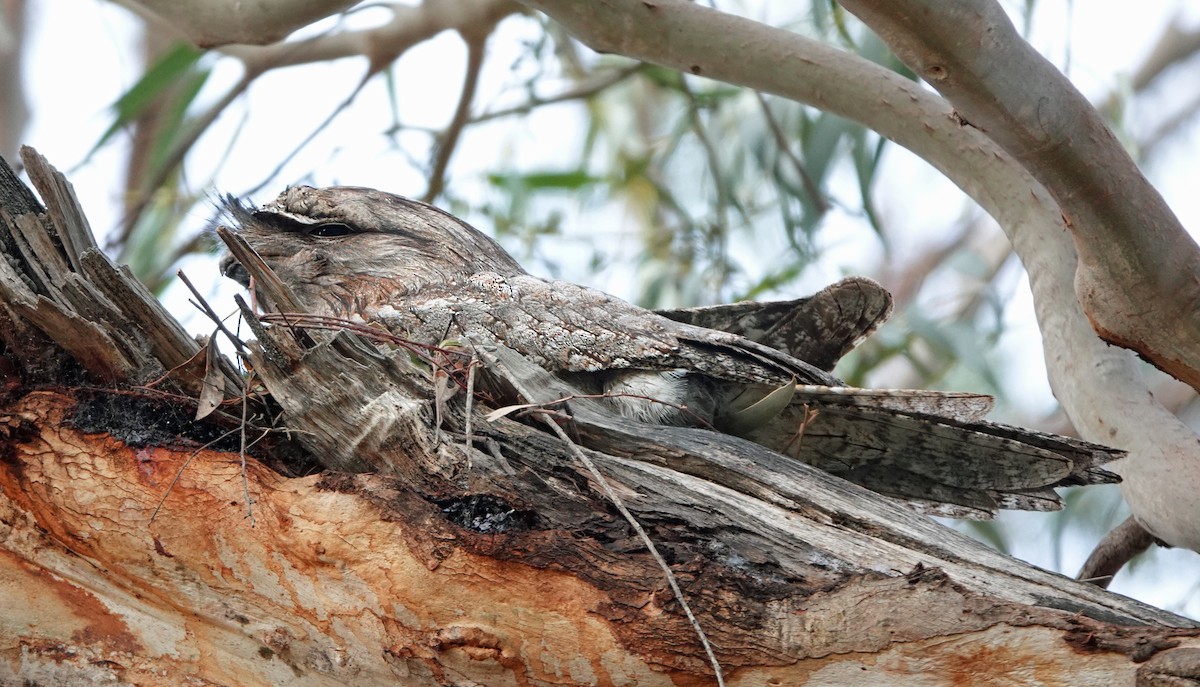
(159, 102)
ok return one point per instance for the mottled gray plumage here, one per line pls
(758, 370)
(819, 329)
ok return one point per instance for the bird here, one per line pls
(761, 371)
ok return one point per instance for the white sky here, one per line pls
(70, 99)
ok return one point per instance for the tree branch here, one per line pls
(1174, 46)
(1137, 265)
(476, 43)
(381, 44)
(515, 571)
(811, 187)
(580, 91)
(221, 22)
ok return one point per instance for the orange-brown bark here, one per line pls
(323, 585)
(351, 580)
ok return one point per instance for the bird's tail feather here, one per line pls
(931, 447)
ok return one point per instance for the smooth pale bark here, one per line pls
(210, 23)
(408, 26)
(1137, 266)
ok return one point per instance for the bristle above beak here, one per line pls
(235, 213)
(235, 210)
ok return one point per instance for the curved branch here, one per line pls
(221, 22)
(1099, 386)
(581, 91)
(384, 43)
(1137, 265)
(381, 45)
(1173, 46)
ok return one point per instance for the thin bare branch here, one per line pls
(341, 107)
(382, 44)
(785, 147)
(612, 495)
(476, 43)
(221, 22)
(581, 91)
(1172, 47)
(724, 196)
(1116, 549)
(242, 455)
(210, 313)
(1165, 129)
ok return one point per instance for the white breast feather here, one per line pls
(652, 397)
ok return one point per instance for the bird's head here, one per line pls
(337, 247)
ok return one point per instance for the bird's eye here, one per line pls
(331, 230)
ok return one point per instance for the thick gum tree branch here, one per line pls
(1137, 266)
(1098, 385)
(251, 31)
(408, 26)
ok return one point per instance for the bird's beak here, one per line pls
(233, 269)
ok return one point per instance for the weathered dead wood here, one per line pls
(56, 279)
(489, 559)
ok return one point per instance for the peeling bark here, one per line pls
(357, 578)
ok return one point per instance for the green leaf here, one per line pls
(174, 115)
(158, 78)
(671, 80)
(839, 22)
(567, 181)
(773, 281)
(866, 155)
(664, 78)
(988, 532)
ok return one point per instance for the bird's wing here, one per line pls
(819, 329)
(565, 327)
